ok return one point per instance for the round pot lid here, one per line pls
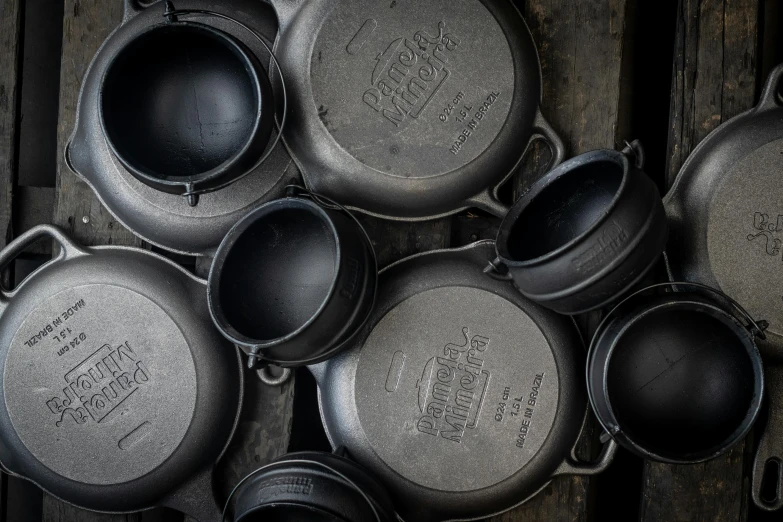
(409, 110)
(162, 218)
(115, 389)
(725, 213)
(460, 395)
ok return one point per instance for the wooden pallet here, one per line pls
(589, 51)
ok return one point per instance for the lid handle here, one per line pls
(572, 466)
(543, 131)
(68, 250)
(771, 96)
(767, 486)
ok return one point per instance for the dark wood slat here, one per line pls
(714, 78)
(86, 23)
(581, 50)
(10, 33)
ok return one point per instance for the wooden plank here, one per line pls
(10, 31)
(581, 51)
(86, 24)
(714, 78)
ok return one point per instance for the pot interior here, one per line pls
(565, 209)
(179, 101)
(681, 383)
(278, 273)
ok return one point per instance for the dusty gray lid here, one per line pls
(408, 109)
(460, 395)
(117, 393)
(89, 380)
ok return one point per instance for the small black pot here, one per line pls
(585, 233)
(318, 487)
(186, 108)
(293, 281)
(676, 377)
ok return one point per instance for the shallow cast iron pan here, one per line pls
(103, 153)
(461, 396)
(410, 110)
(726, 231)
(117, 394)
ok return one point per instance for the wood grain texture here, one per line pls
(714, 71)
(714, 79)
(580, 46)
(86, 24)
(10, 23)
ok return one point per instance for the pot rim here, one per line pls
(613, 427)
(564, 169)
(229, 42)
(227, 245)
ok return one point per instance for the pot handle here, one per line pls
(771, 96)
(768, 464)
(68, 250)
(543, 131)
(572, 466)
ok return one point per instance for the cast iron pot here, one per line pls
(410, 110)
(177, 102)
(292, 281)
(312, 486)
(186, 108)
(117, 394)
(676, 377)
(585, 233)
(459, 395)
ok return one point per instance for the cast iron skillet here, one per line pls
(117, 394)
(410, 110)
(179, 103)
(726, 231)
(461, 396)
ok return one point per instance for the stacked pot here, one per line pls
(452, 383)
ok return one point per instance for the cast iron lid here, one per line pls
(140, 200)
(460, 395)
(409, 109)
(726, 211)
(117, 393)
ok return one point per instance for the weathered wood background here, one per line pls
(611, 68)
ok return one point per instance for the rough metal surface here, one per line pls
(114, 380)
(453, 362)
(167, 220)
(409, 110)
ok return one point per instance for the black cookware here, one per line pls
(459, 395)
(186, 107)
(676, 377)
(117, 394)
(726, 225)
(585, 233)
(178, 102)
(410, 109)
(293, 280)
(317, 487)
